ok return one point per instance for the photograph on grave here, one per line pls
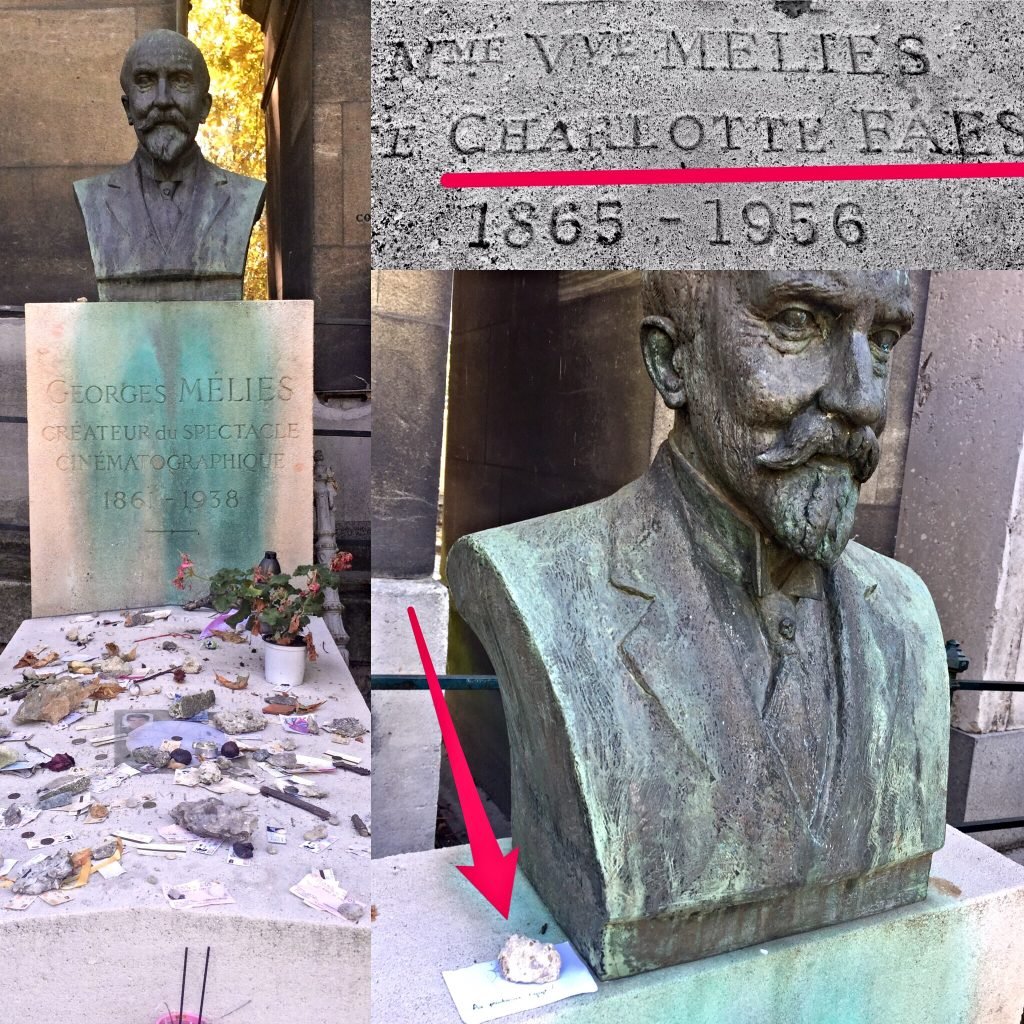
(184, 526)
(663, 133)
(692, 527)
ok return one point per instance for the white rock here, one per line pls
(524, 959)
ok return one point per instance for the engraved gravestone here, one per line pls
(157, 428)
(743, 85)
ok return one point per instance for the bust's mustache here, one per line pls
(812, 433)
(159, 118)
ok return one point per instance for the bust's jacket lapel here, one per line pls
(123, 199)
(210, 195)
(688, 649)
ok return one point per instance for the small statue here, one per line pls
(168, 224)
(728, 722)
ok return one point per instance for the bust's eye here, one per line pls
(794, 328)
(795, 319)
(883, 341)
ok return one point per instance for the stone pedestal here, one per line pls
(957, 957)
(157, 428)
(406, 738)
(115, 951)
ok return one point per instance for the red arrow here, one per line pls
(492, 872)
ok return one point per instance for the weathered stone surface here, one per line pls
(61, 792)
(710, 624)
(214, 819)
(526, 960)
(150, 755)
(209, 773)
(350, 728)
(189, 705)
(43, 876)
(235, 723)
(479, 87)
(411, 314)
(220, 392)
(967, 432)
(50, 702)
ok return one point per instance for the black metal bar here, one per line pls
(1005, 687)
(342, 433)
(184, 975)
(990, 825)
(13, 419)
(202, 995)
(407, 682)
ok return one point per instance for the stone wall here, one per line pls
(62, 120)
(960, 524)
(316, 100)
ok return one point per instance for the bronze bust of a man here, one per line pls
(728, 722)
(168, 224)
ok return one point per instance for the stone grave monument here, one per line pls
(158, 425)
(163, 424)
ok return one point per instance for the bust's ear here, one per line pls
(659, 340)
(207, 104)
(124, 103)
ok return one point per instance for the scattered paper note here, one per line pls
(321, 893)
(39, 843)
(192, 895)
(20, 903)
(55, 898)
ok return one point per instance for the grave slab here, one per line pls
(118, 943)
(162, 427)
(957, 957)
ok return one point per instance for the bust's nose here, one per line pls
(853, 390)
(162, 98)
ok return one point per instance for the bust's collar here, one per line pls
(185, 171)
(734, 543)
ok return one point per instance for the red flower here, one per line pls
(341, 561)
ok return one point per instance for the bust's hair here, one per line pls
(167, 37)
(677, 295)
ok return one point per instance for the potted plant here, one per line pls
(278, 607)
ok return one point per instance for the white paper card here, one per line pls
(481, 994)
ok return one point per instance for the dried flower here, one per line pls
(341, 561)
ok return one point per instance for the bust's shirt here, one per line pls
(167, 198)
(786, 599)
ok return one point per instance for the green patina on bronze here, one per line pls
(151, 510)
(168, 224)
(727, 722)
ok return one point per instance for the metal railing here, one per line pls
(956, 662)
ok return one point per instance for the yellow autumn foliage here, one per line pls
(234, 136)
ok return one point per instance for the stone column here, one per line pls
(317, 104)
(411, 316)
(960, 522)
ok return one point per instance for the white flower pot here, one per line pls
(283, 666)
